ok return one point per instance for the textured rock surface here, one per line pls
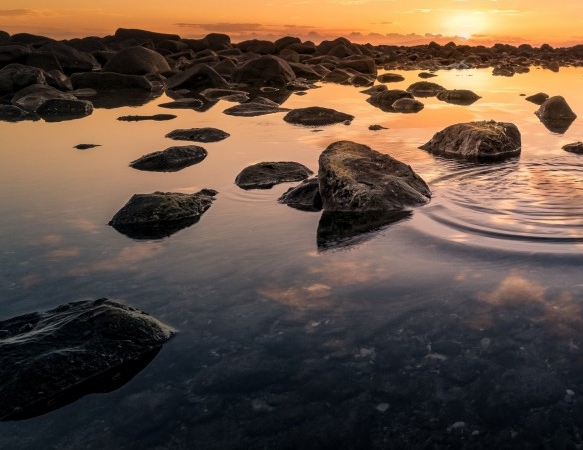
(265, 175)
(575, 147)
(137, 61)
(257, 107)
(556, 114)
(458, 96)
(316, 116)
(170, 160)
(206, 134)
(305, 196)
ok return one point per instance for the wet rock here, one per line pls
(375, 89)
(58, 109)
(265, 175)
(376, 127)
(477, 141)
(137, 60)
(58, 55)
(316, 116)
(390, 78)
(161, 214)
(183, 103)
(230, 95)
(339, 76)
(14, 53)
(575, 147)
(110, 81)
(308, 72)
(360, 63)
(353, 177)
(407, 105)
(425, 89)
(86, 146)
(266, 70)
(172, 159)
(257, 107)
(556, 115)
(458, 96)
(51, 359)
(197, 78)
(156, 117)
(384, 99)
(305, 196)
(206, 134)
(426, 75)
(32, 97)
(503, 71)
(538, 99)
(12, 113)
(15, 77)
(138, 34)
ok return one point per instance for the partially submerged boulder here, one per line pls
(458, 96)
(353, 177)
(58, 109)
(172, 159)
(257, 107)
(538, 98)
(265, 175)
(267, 70)
(477, 141)
(407, 105)
(390, 78)
(137, 60)
(160, 214)
(425, 89)
(51, 359)
(384, 99)
(305, 196)
(206, 134)
(197, 78)
(32, 97)
(575, 147)
(556, 114)
(316, 116)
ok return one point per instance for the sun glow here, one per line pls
(465, 25)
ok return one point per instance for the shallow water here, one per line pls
(280, 337)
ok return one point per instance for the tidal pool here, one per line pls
(460, 323)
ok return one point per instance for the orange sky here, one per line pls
(375, 21)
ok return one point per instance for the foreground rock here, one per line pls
(265, 175)
(160, 214)
(305, 196)
(476, 141)
(58, 109)
(556, 114)
(458, 96)
(53, 358)
(353, 177)
(206, 134)
(575, 147)
(384, 99)
(170, 160)
(407, 105)
(256, 107)
(316, 116)
(32, 97)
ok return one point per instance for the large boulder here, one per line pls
(197, 77)
(316, 116)
(353, 177)
(476, 141)
(15, 77)
(170, 160)
(59, 109)
(53, 358)
(407, 105)
(160, 214)
(267, 70)
(110, 81)
(57, 55)
(556, 114)
(265, 175)
(14, 53)
(360, 63)
(137, 61)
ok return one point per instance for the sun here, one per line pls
(464, 24)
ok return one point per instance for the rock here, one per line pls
(385, 98)
(407, 105)
(556, 115)
(503, 71)
(14, 53)
(376, 127)
(259, 46)
(373, 90)
(198, 77)
(390, 78)
(141, 35)
(339, 76)
(265, 175)
(266, 70)
(360, 63)
(110, 81)
(156, 117)
(161, 214)
(217, 41)
(477, 141)
(206, 134)
(172, 159)
(51, 359)
(575, 147)
(425, 89)
(316, 116)
(137, 61)
(305, 196)
(458, 96)
(256, 107)
(32, 97)
(538, 99)
(183, 103)
(15, 77)
(353, 177)
(230, 95)
(12, 113)
(86, 146)
(58, 109)
(426, 75)
(64, 58)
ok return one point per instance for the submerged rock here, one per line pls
(198, 134)
(458, 96)
(160, 214)
(51, 359)
(137, 60)
(57, 109)
(556, 115)
(170, 160)
(478, 141)
(316, 116)
(256, 107)
(353, 177)
(425, 89)
(407, 105)
(305, 196)
(265, 175)
(86, 146)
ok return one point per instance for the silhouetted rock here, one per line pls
(538, 99)
(407, 105)
(360, 63)
(353, 177)
(15, 77)
(426, 75)
(206, 134)
(425, 89)
(256, 107)
(172, 159)
(57, 55)
(86, 146)
(135, 33)
(265, 175)
(556, 115)
(266, 70)
(197, 78)
(259, 46)
(384, 99)
(230, 95)
(161, 214)
(217, 41)
(575, 147)
(390, 78)
(458, 96)
(110, 81)
(476, 141)
(60, 109)
(316, 116)
(51, 359)
(376, 127)
(14, 53)
(503, 71)
(305, 196)
(32, 97)
(12, 113)
(155, 117)
(137, 61)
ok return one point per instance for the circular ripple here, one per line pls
(513, 203)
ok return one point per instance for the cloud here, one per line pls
(224, 27)
(19, 12)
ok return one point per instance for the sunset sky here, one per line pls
(375, 21)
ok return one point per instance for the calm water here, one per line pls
(265, 316)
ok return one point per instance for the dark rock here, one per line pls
(123, 97)
(206, 134)
(32, 97)
(575, 147)
(361, 80)
(390, 78)
(59, 80)
(316, 116)
(360, 63)
(230, 95)
(86, 146)
(503, 71)
(15, 77)
(377, 88)
(477, 141)
(385, 98)
(110, 81)
(339, 76)
(196, 78)
(156, 117)
(66, 58)
(161, 214)
(217, 41)
(425, 89)
(556, 115)
(134, 33)
(14, 53)
(265, 175)
(538, 99)
(426, 75)
(137, 61)
(51, 359)
(266, 70)
(407, 105)
(305, 196)
(256, 107)
(308, 72)
(173, 46)
(58, 109)
(28, 38)
(376, 127)
(183, 103)
(172, 159)
(261, 47)
(458, 96)
(12, 113)
(353, 177)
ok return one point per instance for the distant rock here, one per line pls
(476, 141)
(384, 99)
(425, 89)
(458, 96)
(137, 60)
(135, 33)
(161, 214)
(407, 105)
(267, 70)
(172, 159)
(426, 75)
(86, 146)
(305, 196)
(538, 99)
(230, 95)
(503, 71)
(265, 175)
(206, 134)
(390, 78)
(256, 107)
(32, 97)
(53, 358)
(316, 116)
(376, 127)
(353, 177)
(575, 147)
(156, 117)
(197, 78)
